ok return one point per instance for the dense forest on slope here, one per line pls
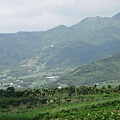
(90, 39)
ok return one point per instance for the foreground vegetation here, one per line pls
(70, 103)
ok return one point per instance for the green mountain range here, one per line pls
(104, 71)
(26, 53)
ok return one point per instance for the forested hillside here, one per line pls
(90, 39)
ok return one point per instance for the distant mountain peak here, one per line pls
(117, 16)
(58, 28)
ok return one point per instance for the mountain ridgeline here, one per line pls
(61, 47)
(90, 39)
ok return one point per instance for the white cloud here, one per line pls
(30, 15)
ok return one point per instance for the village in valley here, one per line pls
(21, 82)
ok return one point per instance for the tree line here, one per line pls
(58, 92)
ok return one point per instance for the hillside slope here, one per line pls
(104, 70)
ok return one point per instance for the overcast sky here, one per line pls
(39, 15)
